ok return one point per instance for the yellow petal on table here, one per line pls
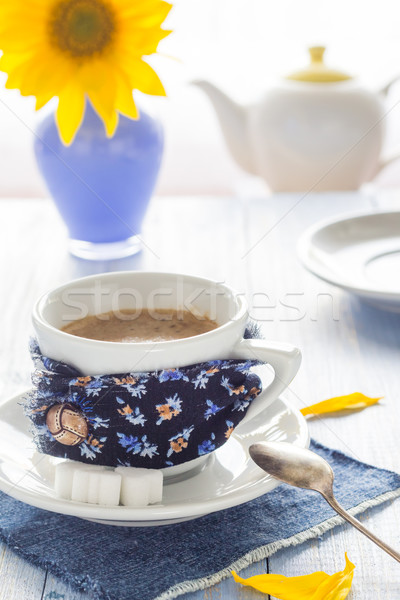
(316, 586)
(70, 111)
(356, 401)
(338, 586)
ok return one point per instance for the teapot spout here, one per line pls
(233, 121)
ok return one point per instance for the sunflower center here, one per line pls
(82, 28)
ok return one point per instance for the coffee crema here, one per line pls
(140, 326)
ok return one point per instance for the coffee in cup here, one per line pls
(140, 325)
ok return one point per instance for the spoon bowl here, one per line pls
(295, 466)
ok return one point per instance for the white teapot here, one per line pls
(317, 130)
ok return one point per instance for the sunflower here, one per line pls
(78, 49)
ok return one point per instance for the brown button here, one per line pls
(67, 424)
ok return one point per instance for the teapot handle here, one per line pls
(394, 155)
(385, 90)
(385, 161)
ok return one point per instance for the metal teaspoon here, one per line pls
(305, 469)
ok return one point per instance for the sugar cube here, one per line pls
(93, 485)
(155, 479)
(80, 486)
(63, 479)
(150, 478)
(109, 488)
(156, 485)
(135, 490)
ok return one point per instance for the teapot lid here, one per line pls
(317, 71)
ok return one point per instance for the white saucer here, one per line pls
(359, 253)
(228, 478)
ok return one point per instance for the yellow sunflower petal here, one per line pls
(316, 586)
(285, 588)
(42, 100)
(37, 74)
(70, 111)
(21, 27)
(125, 103)
(142, 77)
(52, 83)
(98, 79)
(39, 70)
(14, 62)
(99, 99)
(338, 586)
(17, 73)
(356, 401)
(139, 42)
(145, 16)
(142, 8)
(22, 11)
(48, 79)
(11, 43)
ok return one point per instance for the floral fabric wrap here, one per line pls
(152, 420)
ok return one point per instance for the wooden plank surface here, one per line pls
(250, 244)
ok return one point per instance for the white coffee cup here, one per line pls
(135, 290)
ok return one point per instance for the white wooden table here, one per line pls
(250, 244)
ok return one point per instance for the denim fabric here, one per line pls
(120, 563)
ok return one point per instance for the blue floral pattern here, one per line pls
(207, 446)
(150, 420)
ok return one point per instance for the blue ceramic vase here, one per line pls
(102, 186)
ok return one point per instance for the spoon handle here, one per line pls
(343, 513)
